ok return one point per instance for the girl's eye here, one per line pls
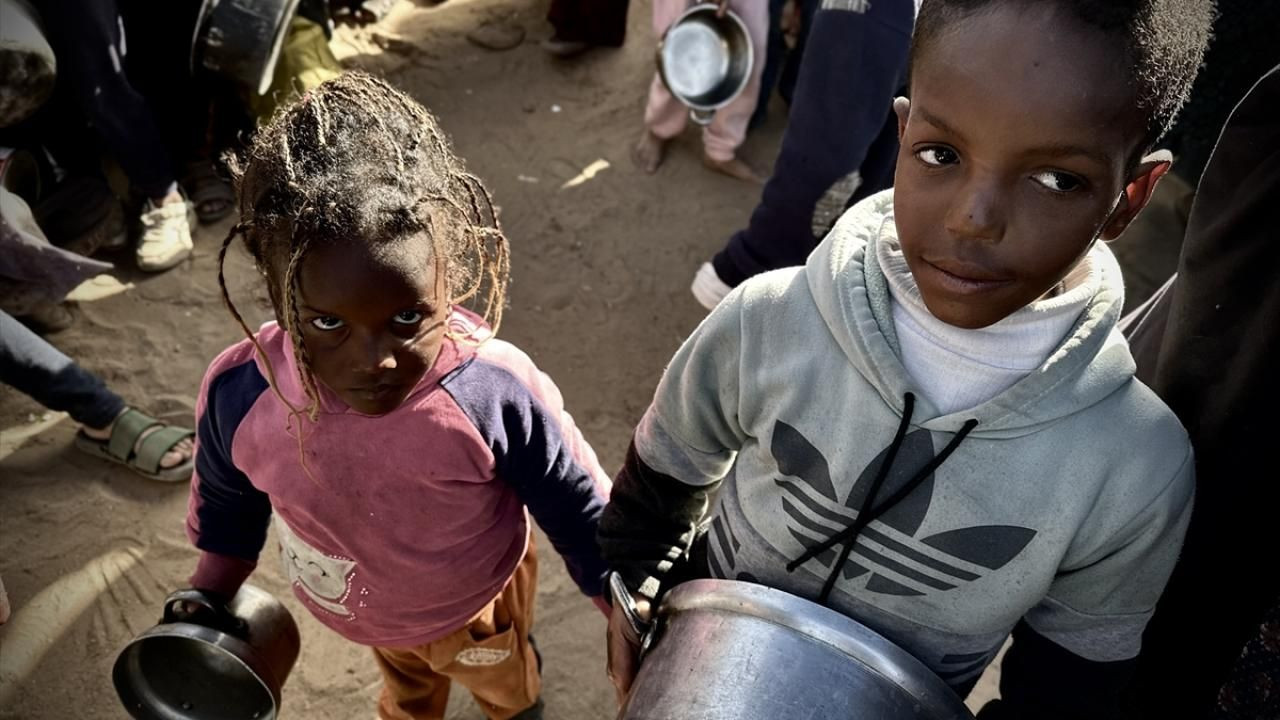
(408, 317)
(326, 323)
(1058, 181)
(937, 156)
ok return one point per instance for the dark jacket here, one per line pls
(1207, 344)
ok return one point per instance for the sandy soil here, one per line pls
(599, 298)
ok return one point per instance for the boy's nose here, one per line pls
(976, 214)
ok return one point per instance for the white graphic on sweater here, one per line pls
(326, 579)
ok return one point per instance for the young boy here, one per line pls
(933, 427)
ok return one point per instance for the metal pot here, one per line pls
(705, 60)
(728, 650)
(223, 663)
(242, 39)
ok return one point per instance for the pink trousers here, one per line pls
(666, 117)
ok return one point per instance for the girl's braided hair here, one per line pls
(357, 160)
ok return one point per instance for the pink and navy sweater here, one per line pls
(401, 527)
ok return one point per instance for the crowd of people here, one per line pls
(987, 443)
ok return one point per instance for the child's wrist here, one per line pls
(221, 574)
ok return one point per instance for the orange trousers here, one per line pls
(490, 656)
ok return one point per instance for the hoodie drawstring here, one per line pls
(848, 537)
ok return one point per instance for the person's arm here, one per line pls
(227, 517)
(1074, 652)
(684, 446)
(539, 451)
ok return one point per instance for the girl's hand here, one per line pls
(185, 611)
(623, 648)
(202, 607)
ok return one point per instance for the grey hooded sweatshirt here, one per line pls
(1061, 502)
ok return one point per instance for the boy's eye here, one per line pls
(937, 156)
(408, 317)
(326, 323)
(1057, 181)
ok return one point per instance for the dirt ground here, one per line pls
(599, 298)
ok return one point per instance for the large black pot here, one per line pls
(241, 39)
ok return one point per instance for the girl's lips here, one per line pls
(966, 281)
(376, 392)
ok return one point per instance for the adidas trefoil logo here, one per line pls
(815, 513)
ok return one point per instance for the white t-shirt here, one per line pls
(958, 369)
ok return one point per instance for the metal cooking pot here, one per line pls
(705, 60)
(223, 663)
(242, 39)
(728, 650)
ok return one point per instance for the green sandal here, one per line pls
(145, 461)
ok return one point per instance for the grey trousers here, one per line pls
(32, 365)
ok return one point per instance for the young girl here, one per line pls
(665, 117)
(396, 441)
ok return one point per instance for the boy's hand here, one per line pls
(623, 649)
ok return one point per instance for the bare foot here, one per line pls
(179, 454)
(648, 152)
(734, 168)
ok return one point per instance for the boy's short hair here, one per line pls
(1164, 41)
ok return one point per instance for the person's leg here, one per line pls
(873, 175)
(33, 366)
(776, 56)
(852, 65)
(158, 68)
(90, 42)
(791, 72)
(727, 131)
(89, 39)
(411, 690)
(493, 656)
(585, 24)
(182, 103)
(664, 116)
(5, 608)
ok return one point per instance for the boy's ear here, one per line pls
(901, 108)
(1137, 193)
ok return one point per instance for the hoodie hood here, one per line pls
(852, 297)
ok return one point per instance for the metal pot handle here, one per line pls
(702, 117)
(212, 612)
(622, 598)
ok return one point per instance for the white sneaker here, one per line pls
(166, 235)
(708, 288)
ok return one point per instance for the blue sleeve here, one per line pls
(532, 454)
(228, 515)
